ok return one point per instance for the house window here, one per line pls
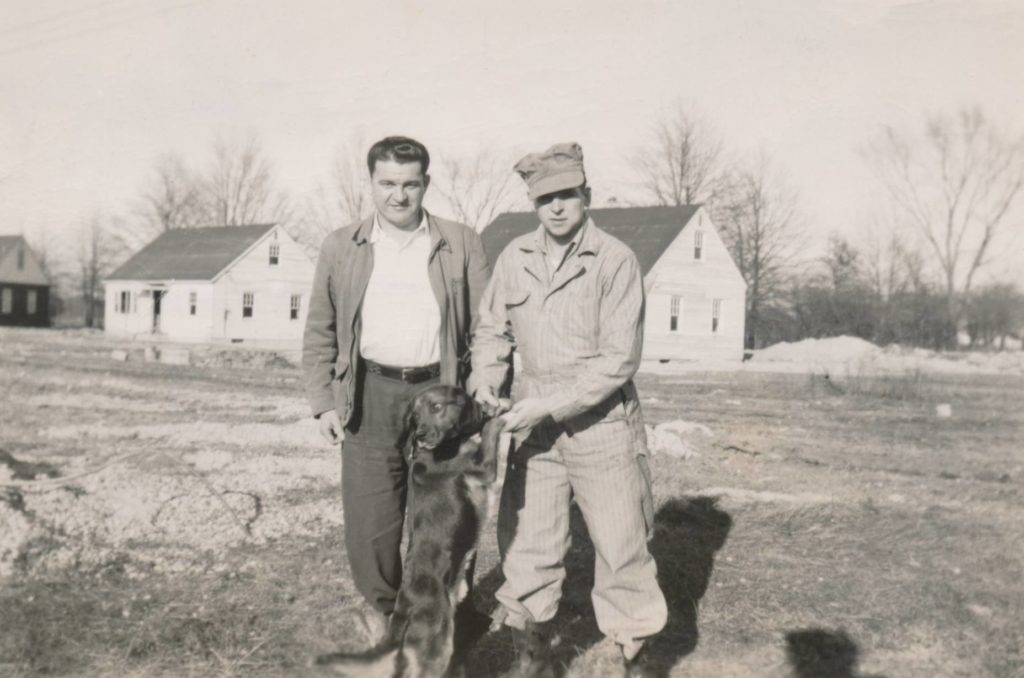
(698, 244)
(247, 304)
(6, 300)
(31, 301)
(125, 302)
(21, 259)
(275, 254)
(673, 318)
(191, 303)
(294, 311)
(716, 314)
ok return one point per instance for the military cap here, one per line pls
(556, 169)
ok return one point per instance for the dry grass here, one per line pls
(834, 527)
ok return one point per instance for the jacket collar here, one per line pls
(438, 240)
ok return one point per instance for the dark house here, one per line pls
(24, 287)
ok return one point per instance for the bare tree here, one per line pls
(344, 200)
(681, 161)
(351, 181)
(477, 188)
(756, 214)
(239, 187)
(173, 198)
(53, 262)
(955, 186)
(891, 267)
(95, 257)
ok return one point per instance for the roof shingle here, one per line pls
(9, 242)
(190, 253)
(648, 231)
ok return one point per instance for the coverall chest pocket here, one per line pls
(516, 310)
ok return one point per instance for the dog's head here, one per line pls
(437, 415)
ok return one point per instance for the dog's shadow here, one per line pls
(688, 531)
(823, 653)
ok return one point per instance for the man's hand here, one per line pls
(330, 427)
(491, 404)
(485, 397)
(525, 415)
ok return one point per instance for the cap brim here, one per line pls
(556, 182)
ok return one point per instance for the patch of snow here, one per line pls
(851, 355)
(679, 439)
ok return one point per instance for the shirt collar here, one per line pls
(585, 241)
(377, 231)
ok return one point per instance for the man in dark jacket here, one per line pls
(393, 303)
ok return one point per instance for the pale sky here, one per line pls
(93, 91)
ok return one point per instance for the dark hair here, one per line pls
(399, 149)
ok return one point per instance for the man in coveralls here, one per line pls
(569, 297)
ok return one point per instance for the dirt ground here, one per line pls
(165, 520)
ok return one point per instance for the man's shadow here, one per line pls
(688, 531)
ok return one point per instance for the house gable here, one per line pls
(290, 253)
(14, 250)
(715, 260)
(695, 305)
(254, 298)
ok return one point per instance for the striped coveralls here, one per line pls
(578, 330)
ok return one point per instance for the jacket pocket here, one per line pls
(340, 369)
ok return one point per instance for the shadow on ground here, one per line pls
(820, 653)
(687, 534)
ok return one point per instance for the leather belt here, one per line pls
(410, 375)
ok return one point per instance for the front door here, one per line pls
(157, 296)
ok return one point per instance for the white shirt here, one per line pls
(401, 320)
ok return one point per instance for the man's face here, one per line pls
(398, 189)
(562, 213)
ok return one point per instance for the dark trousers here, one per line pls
(374, 479)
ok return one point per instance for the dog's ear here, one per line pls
(406, 437)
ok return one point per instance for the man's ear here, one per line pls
(586, 196)
(426, 182)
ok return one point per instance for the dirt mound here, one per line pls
(853, 355)
(829, 350)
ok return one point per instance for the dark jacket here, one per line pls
(458, 273)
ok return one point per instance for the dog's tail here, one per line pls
(384, 662)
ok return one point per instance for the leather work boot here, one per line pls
(533, 652)
(373, 624)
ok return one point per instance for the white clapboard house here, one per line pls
(695, 294)
(225, 283)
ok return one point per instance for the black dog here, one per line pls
(453, 460)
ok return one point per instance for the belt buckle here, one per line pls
(406, 371)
